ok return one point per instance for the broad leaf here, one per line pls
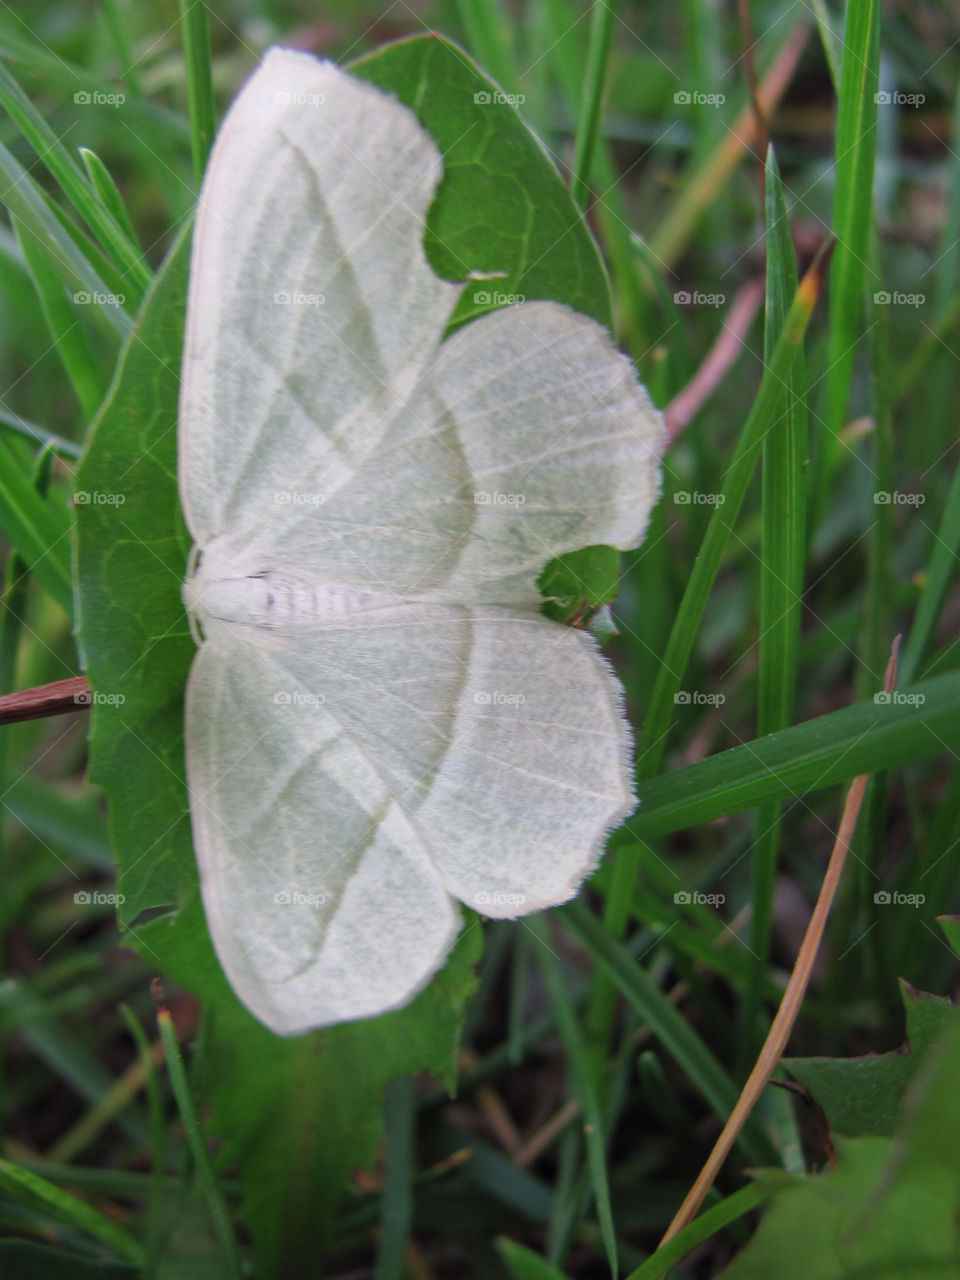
(863, 1095)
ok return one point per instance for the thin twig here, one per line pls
(46, 700)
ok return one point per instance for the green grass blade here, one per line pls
(25, 201)
(38, 529)
(69, 337)
(397, 1204)
(107, 193)
(594, 1130)
(940, 571)
(117, 22)
(212, 1191)
(24, 1185)
(157, 1144)
(488, 31)
(783, 493)
(924, 720)
(196, 48)
(855, 150)
(591, 101)
(679, 646)
(60, 164)
(876, 633)
(38, 435)
(667, 1024)
(761, 420)
(782, 545)
(832, 44)
(701, 1228)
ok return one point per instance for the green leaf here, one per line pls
(501, 206)
(862, 1096)
(887, 1211)
(586, 578)
(863, 738)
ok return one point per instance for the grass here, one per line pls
(811, 512)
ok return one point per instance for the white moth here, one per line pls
(378, 720)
